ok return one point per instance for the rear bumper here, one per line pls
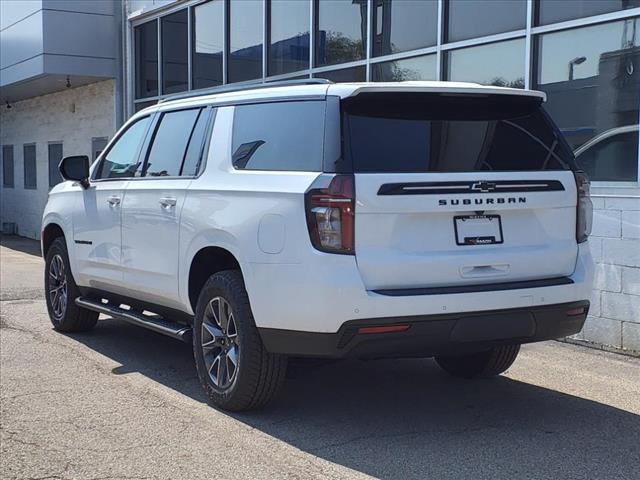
(429, 335)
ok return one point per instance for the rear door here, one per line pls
(153, 204)
(458, 190)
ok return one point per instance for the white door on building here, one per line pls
(153, 204)
(97, 222)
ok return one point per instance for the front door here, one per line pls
(97, 221)
(153, 203)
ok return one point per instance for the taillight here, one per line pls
(584, 217)
(330, 213)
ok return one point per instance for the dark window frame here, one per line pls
(59, 179)
(6, 184)
(35, 166)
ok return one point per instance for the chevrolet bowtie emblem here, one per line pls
(483, 187)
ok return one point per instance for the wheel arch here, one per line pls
(50, 232)
(206, 262)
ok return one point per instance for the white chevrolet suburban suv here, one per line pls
(368, 220)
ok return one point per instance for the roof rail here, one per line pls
(245, 86)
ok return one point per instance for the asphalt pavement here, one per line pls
(121, 402)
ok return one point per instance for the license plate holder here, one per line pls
(478, 229)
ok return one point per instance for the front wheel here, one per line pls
(61, 292)
(485, 364)
(233, 366)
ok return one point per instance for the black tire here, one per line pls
(64, 314)
(486, 364)
(258, 374)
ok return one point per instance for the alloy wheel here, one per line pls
(57, 287)
(219, 341)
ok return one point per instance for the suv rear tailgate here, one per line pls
(458, 190)
(406, 236)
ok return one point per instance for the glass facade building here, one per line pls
(585, 54)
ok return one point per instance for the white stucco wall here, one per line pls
(73, 116)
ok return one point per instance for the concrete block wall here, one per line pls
(614, 319)
(73, 116)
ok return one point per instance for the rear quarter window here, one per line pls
(284, 136)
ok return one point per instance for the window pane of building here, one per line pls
(7, 166)
(174, 52)
(500, 64)
(208, 44)
(30, 171)
(478, 18)
(245, 40)
(592, 79)
(55, 155)
(142, 105)
(170, 143)
(416, 68)
(353, 74)
(279, 136)
(146, 51)
(289, 36)
(552, 11)
(401, 25)
(342, 30)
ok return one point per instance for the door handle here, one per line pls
(113, 201)
(167, 202)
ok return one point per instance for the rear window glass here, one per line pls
(439, 133)
(279, 136)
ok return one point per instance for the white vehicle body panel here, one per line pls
(97, 234)
(151, 226)
(405, 241)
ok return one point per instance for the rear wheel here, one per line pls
(61, 292)
(483, 364)
(234, 368)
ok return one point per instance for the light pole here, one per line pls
(572, 63)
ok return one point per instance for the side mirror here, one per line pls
(76, 168)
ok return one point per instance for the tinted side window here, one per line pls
(170, 143)
(121, 160)
(192, 158)
(279, 136)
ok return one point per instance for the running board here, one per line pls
(175, 330)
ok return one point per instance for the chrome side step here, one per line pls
(175, 330)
